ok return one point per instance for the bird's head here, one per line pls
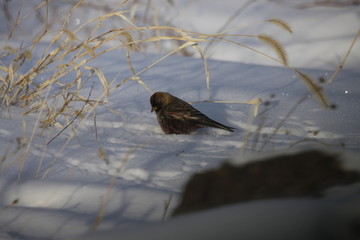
(159, 99)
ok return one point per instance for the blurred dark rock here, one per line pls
(304, 174)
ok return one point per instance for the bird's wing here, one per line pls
(184, 111)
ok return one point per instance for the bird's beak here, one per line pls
(153, 109)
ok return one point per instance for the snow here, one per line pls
(305, 219)
(60, 190)
(315, 29)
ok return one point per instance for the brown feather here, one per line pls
(176, 116)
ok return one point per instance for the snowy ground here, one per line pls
(144, 168)
(315, 30)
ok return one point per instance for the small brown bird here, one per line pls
(178, 117)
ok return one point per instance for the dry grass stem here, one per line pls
(71, 122)
(307, 140)
(253, 49)
(166, 207)
(282, 122)
(229, 21)
(342, 63)
(247, 133)
(13, 203)
(105, 199)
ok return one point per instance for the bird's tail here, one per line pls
(221, 126)
(215, 124)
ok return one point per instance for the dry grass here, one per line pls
(274, 44)
(67, 57)
(51, 85)
(342, 63)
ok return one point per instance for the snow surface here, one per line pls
(144, 169)
(279, 219)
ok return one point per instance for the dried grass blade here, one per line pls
(250, 48)
(207, 73)
(186, 44)
(121, 15)
(102, 79)
(15, 24)
(273, 43)
(281, 24)
(316, 90)
(79, 4)
(201, 52)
